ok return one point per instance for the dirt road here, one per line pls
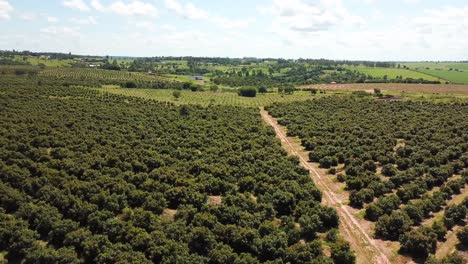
(366, 248)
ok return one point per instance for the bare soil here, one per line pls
(399, 87)
(169, 213)
(214, 200)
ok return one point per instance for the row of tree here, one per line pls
(114, 179)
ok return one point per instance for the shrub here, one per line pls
(130, 84)
(247, 92)
(463, 236)
(262, 89)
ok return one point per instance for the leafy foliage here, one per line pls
(113, 179)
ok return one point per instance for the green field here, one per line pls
(211, 98)
(460, 77)
(392, 73)
(231, 98)
(450, 71)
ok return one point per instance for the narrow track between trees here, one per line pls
(366, 248)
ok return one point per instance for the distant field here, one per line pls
(49, 63)
(452, 76)
(392, 73)
(452, 72)
(207, 98)
(437, 65)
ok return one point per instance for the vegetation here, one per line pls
(401, 161)
(463, 236)
(449, 71)
(248, 92)
(231, 72)
(101, 178)
(392, 73)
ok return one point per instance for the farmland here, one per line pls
(460, 77)
(393, 73)
(209, 98)
(99, 165)
(396, 175)
(98, 177)
(452, 72)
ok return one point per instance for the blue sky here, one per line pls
(334, 29)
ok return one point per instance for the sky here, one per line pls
(396, 30)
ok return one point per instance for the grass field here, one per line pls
(392, 73)
(450, 71)
(215, 98)
(460, 77)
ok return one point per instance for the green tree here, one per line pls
(419, 242)
(463, 236)
(392, 226)
(341, 253)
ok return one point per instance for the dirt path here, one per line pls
(449, 245)
(366, 248)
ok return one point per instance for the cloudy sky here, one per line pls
(334, 29)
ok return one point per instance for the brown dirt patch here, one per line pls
(449, 245)
(398, 87)
(169, 213)
(214, 200)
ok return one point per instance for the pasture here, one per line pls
(392, 73)
(460, 76)
(451, 71)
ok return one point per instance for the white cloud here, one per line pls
(96, 4)
(232, 23)
(76, 4)
(52, 19)
(145, 25)
(192, 12)
(134, 8)
(168, 27)
(5, 9)
(84, 21)
(303, 16)
(61, 31)
(188, 10)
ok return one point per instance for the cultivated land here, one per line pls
(404, 195)
(146, 163)
(395, 87)
(106, 178)
(367, 249)
(452, 72)
(392, 73)
(210, 98)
